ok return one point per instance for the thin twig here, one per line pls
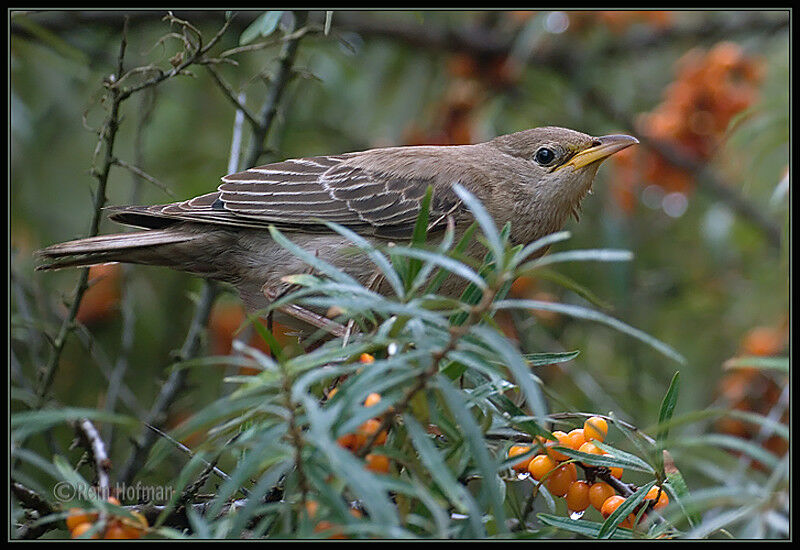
(188, 451)
(97, 449)
(232, 96)
(108, 136)
(270, 107)
(144, 175)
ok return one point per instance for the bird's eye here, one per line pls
(544, 156)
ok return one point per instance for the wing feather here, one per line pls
(300, 194)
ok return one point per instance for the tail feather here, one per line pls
(106, 248)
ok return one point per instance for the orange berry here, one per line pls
(77, 516)
(325, 525)
(366, 358)
(348, 441)
(311, 508)
(377, 463)
(557, 455)
(599, 493)
(114, 501)
(575, 439)
(356, 513)
(372, 399)
(540, 466)
(611, 504)
(559, 481)
(590, 448)
(116, 531)
(81, 528)
(370, 427)
(663, 500)
(517, 450)
(595, 428)
(134, 527)
(578, 496)
(332, 393)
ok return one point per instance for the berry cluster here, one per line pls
(709, 90)
(80, 521)
(558, 473)
(752, 390)
(355, 441)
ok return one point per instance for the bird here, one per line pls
(534, 178)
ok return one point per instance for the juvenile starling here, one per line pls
(534, 179)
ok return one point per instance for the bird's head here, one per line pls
(563, 162)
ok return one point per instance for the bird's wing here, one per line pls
(301, 194)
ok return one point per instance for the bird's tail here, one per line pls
(144, 247)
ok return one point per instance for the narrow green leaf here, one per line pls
(437, 280)
(574, 286)
(542, 359)
(590, 529)
(377, 258)
(445, 262)
(764, 363)
(610, 525)
(538, 245)
(483, 218)
(512, 359)
(665, 415)
(580, 312)
(621, 460)
(594, 255)
(263, 26)
(475, 440)
(458, 496)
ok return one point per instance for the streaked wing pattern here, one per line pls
(296, 194)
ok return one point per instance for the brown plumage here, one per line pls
(535, 179)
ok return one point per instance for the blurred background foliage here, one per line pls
(703, 202)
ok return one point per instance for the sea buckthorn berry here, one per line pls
(134, 527)
(372, 399)
(370, 427)
(114, 501)
(663, 500)
(366, 358)
(348, 441)
(517, 450)
(132, 532)
(81, 528)
(540, 466)
(557, 455)
(325, 525)
(116, 531)
(77, 516)
(575, 439)
(599, 493)
(559, 481)
(311, 508)
(377, 463)
(332, 393)
(590, 448)
(360, 440)
(595, 428)
(578, 496)
(611, 504)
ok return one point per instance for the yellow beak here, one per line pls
(608, 145)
